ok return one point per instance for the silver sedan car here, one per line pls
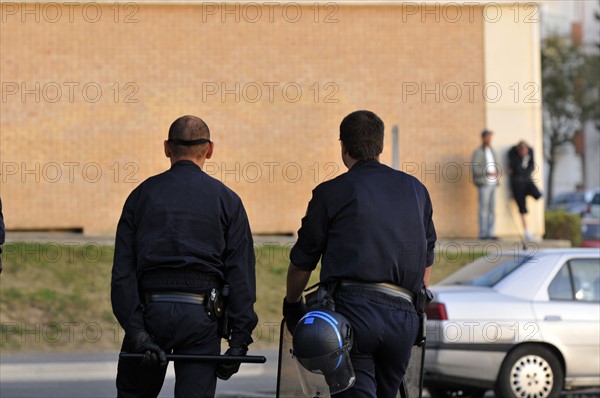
(523, 324)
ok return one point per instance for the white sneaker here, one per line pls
(531, 238)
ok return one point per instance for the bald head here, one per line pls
(189, 137)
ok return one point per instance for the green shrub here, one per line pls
(563, 225)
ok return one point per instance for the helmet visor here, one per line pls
(328, 374)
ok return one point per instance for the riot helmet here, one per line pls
(322, 342)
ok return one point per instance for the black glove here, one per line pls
(142, 342)
(227, 369)
(292, 312)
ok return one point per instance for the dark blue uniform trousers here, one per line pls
(178, 328)
(384, 333)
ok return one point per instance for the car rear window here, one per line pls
(486, 271)
(590, 231)
(560, 199)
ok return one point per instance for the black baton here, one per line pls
(203, 358)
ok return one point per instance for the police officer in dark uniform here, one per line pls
(373, 231)
(181, 234)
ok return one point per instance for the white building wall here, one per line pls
(567, 170)
(591, 27)
(512, 63)
(591, 38)
(557, 17)
(592, 158)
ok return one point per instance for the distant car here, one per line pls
(574, 202)
(590, 231)
(594, 206)
(522, 324)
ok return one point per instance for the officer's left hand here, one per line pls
(227, 369)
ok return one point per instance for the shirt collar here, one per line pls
(184, 163)
(363, 162)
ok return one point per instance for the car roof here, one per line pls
(533, 251)
(575, 196)
(568, 250)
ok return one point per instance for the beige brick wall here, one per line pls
(170, 61)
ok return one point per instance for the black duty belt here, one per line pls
(178, 280)
(176, 297)
(385, 288)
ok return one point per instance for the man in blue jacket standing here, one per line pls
(486, 174)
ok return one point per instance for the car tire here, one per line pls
(445, 392)
(530, 371)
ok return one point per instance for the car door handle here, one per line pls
(552, 318)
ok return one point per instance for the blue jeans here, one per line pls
(487, 195)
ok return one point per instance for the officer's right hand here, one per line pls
(142, 342)
(226, 370)
(292, 312)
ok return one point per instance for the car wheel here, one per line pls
(530, 371)
(445, 392)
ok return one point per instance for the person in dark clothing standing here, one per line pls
(521, 166)
(182, 233)
(373, 231)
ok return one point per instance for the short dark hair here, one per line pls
(361, 132)
(188, 128)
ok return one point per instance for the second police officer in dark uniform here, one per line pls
(181, 234)
(373, 231)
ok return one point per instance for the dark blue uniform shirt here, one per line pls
(371, 224)
(184, 219)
